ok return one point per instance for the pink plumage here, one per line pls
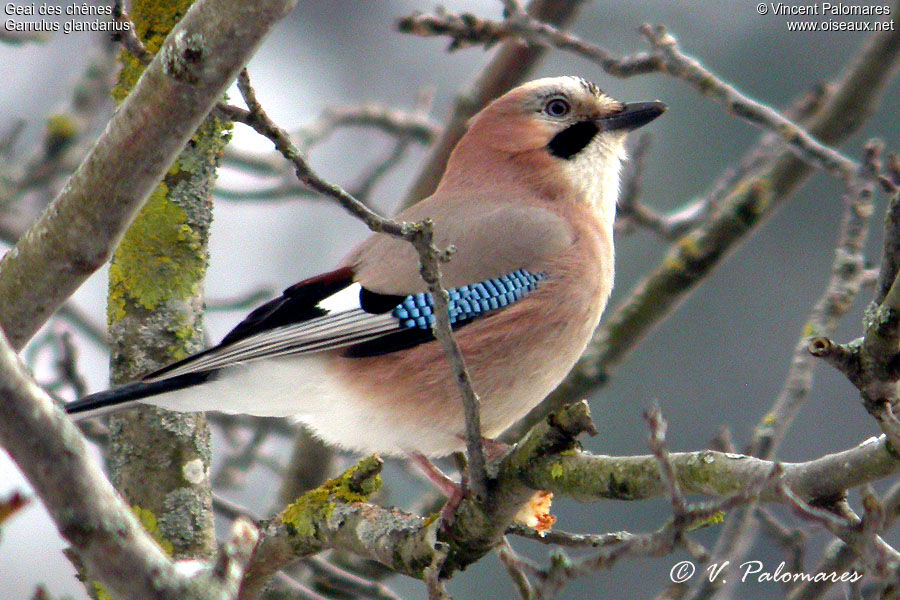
(530, 187)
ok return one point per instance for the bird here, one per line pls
(527, 201)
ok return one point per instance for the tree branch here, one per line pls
(748, 202)
(78, 232)
(86, 509)
(847, 273)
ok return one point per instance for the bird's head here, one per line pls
(560, 135)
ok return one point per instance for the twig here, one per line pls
(860, 534)
(689, 70)
(660, 450)
(83, 323)
(403, 126)
(515, 570)
(870, 361)
(369, 180)
(67, 364)
(10, 137)
(28, 185)
(231, 559)
(240, 302)
(666, 58)
(792, 540)
(128, 35)
(237, 463)
(890, 254)
(672, 534)
(556, 537)
(747, 203)
(418, 234)
(509, 66)
(231, 509)
(631, 211)
(16, 38)
(414, 125)
(839, 556)
(299, 591)
(433, 582)
(349, 582)
(847, 273)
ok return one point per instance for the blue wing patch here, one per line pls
(331, 311)
(469, 301)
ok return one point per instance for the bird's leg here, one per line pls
(445, 484)
(454, 492)
(494, 449)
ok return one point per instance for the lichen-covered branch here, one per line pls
(870, 362)
(87, 511)
(78, 232)
(847, 273)
(160, 461)
(336, 515)
(587, 477)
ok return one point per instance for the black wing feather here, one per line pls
(295, 305)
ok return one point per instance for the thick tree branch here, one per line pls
(589, 477)
(78, 232)
(88, 512)
(336, 516)
(847, 273)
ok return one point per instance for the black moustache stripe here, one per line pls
(573, 139)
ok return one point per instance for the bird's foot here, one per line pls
(444, 484)
(455, 492)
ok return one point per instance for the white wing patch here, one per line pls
(343, 300)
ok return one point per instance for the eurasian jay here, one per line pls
(528, 201)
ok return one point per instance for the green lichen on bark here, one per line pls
(161, 257)
(61, 131)
(355, 484)
(149, 522)
(153, 19)
(155, 311)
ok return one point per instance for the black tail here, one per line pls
(101, 403)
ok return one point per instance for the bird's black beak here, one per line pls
(634, 115)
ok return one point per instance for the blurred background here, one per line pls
(720, 360)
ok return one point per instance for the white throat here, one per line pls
(594, 173)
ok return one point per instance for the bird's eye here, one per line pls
(557, 107)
